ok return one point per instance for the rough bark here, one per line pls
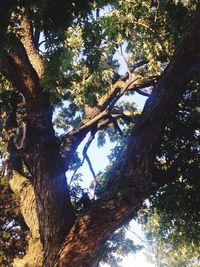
(24, 189)
(29, 44)
(129, 181)
(40, 151)
(41, 156)
(99, 116)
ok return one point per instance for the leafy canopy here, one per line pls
(79, 44)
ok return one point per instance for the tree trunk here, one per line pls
(67, 240)
(24, 189)
(41, 155)
(129, 181)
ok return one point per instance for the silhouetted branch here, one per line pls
(85, 156)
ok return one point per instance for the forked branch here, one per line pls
(130, 179)
(85, 157)
(97, 117)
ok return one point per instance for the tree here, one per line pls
(81, 70)
(172, 219)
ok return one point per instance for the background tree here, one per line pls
(77, 65)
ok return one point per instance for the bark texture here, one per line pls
(24, 189)
(129, 181)
(70, 240)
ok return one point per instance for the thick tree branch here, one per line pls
(54, 209)
(17, 69)
(161, 177)
(14, 62)
(95, 116)
(29, 44)
(130, 179)
(139, 65)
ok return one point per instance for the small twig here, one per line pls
(42, 42)
(137, 236)
(121, 91)
(41, 52)
(121, 54)
(73, 175)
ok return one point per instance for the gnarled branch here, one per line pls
(130, 179)
(94, 116)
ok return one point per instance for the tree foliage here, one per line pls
(69, 61)
(13, 230)
(172, 220)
